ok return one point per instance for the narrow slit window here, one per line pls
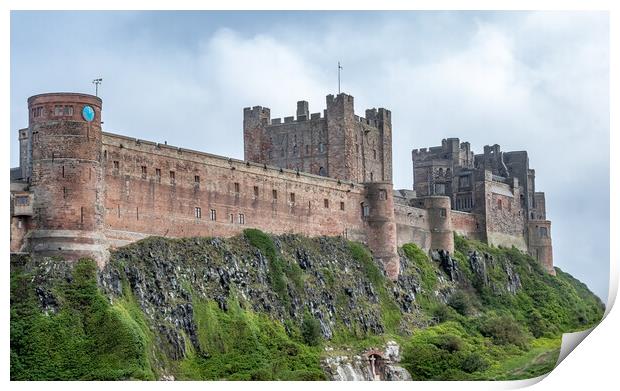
(341, 205)
(237, 187)
(198, 212)
(172, 177)
(143, 171)
(326, 203)
(256, 191)
(241, 218)
(196, 179)
(274, 195)
(213, 215)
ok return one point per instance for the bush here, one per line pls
(504, 330)
(311, 330)
(460, 302)
(474, 362)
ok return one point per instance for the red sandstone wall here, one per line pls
(412, 226)
(468, 224)
(156, 207)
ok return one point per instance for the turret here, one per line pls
(66, 181)
(440, 221)
(340, 149)
(255, 140)
(381, 233)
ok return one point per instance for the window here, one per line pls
(321, 147)
(365, 209)
(499, 204)
(322, 171)
(382, 194)
(440, 188)
(241, 218)
(172, 177)
(542, 232)
(357, 148)
(37, 111)
(292, 198)
(116, 165)
(197, 212)
(374, 153)
(237, 187)
(143, 172)
(196, 179)
(60, 110)
(464, 181)
(22, 200)
(295, 150)
(232, 218)
(256, 191)
(274, 195)
(213, 215)
(325, 203)
(307, 150)
(442, 212)
(371, 177)
(158, 175)
(341, 205)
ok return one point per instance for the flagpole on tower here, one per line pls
(339, 68)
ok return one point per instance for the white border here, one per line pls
(593, 364)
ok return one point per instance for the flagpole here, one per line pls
(339, 68)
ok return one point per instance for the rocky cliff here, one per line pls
(287, 307)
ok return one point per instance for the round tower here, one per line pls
(67, 182)
(440, 222)
(382, 226)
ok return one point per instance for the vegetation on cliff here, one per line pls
(266, 307)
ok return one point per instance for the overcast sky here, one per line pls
(527, 81)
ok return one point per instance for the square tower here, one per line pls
(336, 144)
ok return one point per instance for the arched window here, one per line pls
(322, 171)
(321, 147)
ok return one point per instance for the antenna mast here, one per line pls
(96, 82)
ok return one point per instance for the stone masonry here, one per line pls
(80, 191)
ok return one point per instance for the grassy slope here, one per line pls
(483, 332)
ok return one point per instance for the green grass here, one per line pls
(87, 339)
(240, 344)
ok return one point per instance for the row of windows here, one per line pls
(59, 110)
(236, 185)
(213, 216)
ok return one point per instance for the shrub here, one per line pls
(311, 330)
(473, 362)
(460, 302)
(504, 330)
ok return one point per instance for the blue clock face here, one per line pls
(88, 113)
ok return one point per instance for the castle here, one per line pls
(79, 191)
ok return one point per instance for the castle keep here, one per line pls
(79, 191)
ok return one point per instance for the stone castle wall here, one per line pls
(83, 190)
(154, 189)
